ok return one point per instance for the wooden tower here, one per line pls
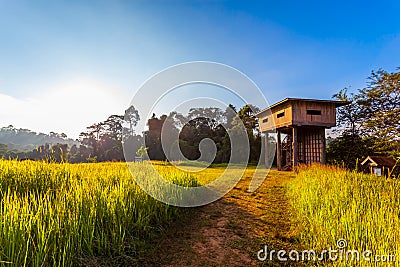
(300, 129)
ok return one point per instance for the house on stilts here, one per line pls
(299, 125)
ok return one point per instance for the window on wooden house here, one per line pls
(313, 112)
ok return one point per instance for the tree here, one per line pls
(110, 143)
(230, 113)
(131, 117)
(204, 123)
(370, 124)
(104, 139)
(95, 130)
(380, 102)
(350, 145)
(211, 116)
(347, 149)
(153, 137)
(59, 152)
(349, 117)
(246, 115)
(89, 144)
(73, 155)
(142, 151)
(113, 127)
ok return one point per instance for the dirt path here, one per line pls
(231, 231)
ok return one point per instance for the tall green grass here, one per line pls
(332, 203)
(65, 214)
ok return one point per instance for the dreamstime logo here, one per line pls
(170, 88)
(340, 253)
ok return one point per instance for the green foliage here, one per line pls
(104, 140)
(371, 123)
(109, 139)
(153, 136)
(345, 150)
(380, 102)
(201, 123)
(349, 116)
(142, 151)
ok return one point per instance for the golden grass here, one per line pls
(332, 203)
(63, 214)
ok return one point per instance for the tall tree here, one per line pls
(111, 139)
(246, 115)
(131, 117)
(370, 124)
(349, 117)
(380, 101)
(230, 113)
(153, 137)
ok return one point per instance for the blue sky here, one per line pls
(67, 64)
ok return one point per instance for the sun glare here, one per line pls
(68, 108)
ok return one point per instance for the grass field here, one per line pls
(332, 204)
(95, 215)
(68, 214)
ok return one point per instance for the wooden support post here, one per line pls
(278, 150)
(323, 152)
(266, 158)
(294, 148)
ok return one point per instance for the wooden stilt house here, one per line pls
(300, 129)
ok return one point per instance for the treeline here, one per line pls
(104, 141)
(24, 139)
(200, 123)
(371, 123)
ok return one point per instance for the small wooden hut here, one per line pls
(300, 129)
(380, 165)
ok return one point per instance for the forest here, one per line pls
(370, 125)
(104, 141)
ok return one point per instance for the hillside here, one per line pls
(25, 139)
